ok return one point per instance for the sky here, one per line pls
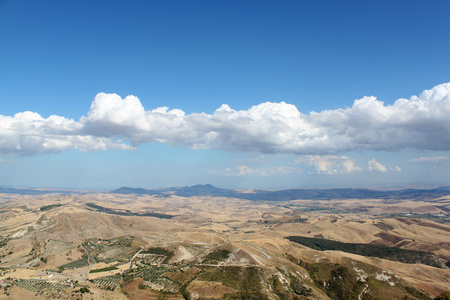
(238, 94)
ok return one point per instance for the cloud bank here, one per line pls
(329, 164)
(421, 122)
(311, 164)
(434, 159)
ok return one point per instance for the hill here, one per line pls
(290, 194)
(150, 244)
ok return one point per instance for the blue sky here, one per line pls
(258, 94)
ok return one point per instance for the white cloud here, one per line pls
(429, 159)
(244, 170)
(329, 164)
(420, 123)
(376, 166)
(29, 133)
(239, 170)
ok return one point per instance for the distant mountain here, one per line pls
(135, 191)
(262, 195)
(290, 194)
(187, 191)
(31, 192)
(203, 190)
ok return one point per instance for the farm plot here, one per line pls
(154, 278)
(150, 273)
(163, 284)
(107, 282)
(42, 286)
(108, 251)
(80, 263)
(150, 259)
(114, 253)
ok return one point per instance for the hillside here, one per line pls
(134, 246)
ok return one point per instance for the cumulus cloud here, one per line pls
(244, 170)
(376, 166)
(313, 164)
(329, 164)
(239, 170)
(29, 133)
(420, 122)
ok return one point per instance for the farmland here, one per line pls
(65, 246)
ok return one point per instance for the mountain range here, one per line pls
(289, 194)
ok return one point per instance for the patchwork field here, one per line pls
(136, 246)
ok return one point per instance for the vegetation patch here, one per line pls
(297, 220)
(3, 242)
(246, 295)
(49, 207)
(385, 252)
(159, 251)
(340, 282)
(41, 286)
(107, 251)
(216, 256)
(127, 212)
(103, 270)
(355, 280)
(154, 278)
(107, 282)
(149, 273)
(80, 263)
(183, 276)
(118, 249)
(417, 293)
(246, 279)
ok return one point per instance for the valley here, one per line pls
(201, 245)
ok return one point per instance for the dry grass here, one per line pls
(253, 231)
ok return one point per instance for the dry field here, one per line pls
(59, 246)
